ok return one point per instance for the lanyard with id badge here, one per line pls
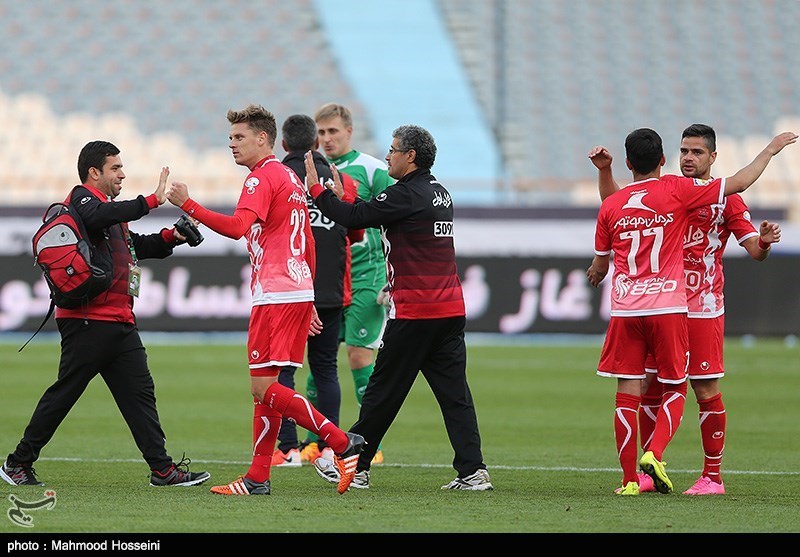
(134, 271)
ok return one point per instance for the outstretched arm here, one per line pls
(750, 173)
(233, 226)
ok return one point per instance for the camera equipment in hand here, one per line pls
(188, 230)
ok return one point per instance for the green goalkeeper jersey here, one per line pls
(368, 266)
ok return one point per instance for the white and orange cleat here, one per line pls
(348, 459)
(242, 486)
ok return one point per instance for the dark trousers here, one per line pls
(323, 352)
(436, 348)
(115, 351)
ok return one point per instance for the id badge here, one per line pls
(134, 279)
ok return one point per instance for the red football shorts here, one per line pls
(706, 338)
(277, 337)
(630, 339)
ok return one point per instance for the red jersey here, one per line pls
(280, 241)
(706, 237)
(643, 225)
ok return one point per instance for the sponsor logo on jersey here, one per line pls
(636, 201)
(441, 198)
(381, 196)
(85, 200)
(624, 286)
(644, 222)
(298, 197)
(694, 236)
(298, 271)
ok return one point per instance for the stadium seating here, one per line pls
(551, 79)
(578, 74)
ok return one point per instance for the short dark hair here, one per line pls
(420, 140)
(644, 150)
(93, 155)
(258, 118)
(299, 133)
(704, 131)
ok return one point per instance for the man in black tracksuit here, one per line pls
(101, 336)
(425, 331)
(331, 286)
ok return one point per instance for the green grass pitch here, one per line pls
(546, 426)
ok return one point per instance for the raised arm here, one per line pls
(601, 158)
(745, 177)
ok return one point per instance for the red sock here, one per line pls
(712, 433)
(626, 433)
(266, 425)
(296, 407)
(648, 410)
(669, 417)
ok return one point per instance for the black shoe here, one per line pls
(19, 474)
(179, 475)
(355, 444)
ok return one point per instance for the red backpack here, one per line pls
(75, 271)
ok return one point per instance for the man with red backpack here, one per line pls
(101, 336)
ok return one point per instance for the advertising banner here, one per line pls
(511, 295)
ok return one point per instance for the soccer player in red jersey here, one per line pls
(643, 225)
(272, 214)
(703, 246)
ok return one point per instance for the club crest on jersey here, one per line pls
(250, 185)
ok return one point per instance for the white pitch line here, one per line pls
(402, 465)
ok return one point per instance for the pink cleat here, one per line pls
(645, 483)
(705, 486)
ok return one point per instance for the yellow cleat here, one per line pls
(630, 488)
(378, 458)
(651, 466)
